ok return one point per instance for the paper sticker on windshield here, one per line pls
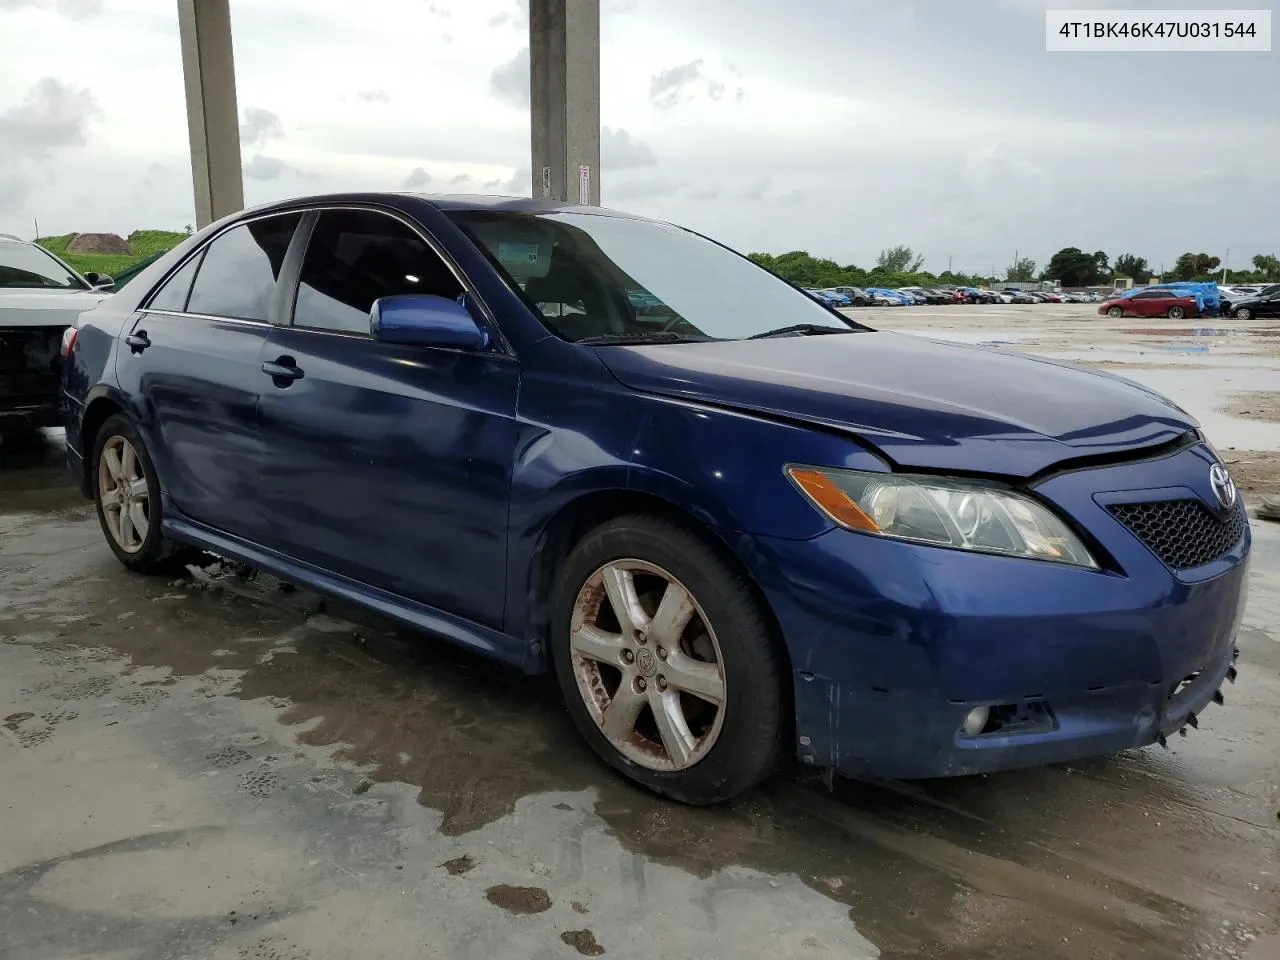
(518, 253)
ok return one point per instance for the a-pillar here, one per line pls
(212, 118)
(564, 87)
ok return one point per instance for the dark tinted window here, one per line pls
(173, 295)
(27, 265)
(355, 257)
(238, 275)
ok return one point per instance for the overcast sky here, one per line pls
(843, 129)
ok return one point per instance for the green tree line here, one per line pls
(1072, 267)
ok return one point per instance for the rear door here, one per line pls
(192, 359)
(387, 464)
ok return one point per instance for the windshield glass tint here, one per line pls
(601, 276)
(24, 265)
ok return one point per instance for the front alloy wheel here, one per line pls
(1244, 313)
(669, 661)
(1115, 312)
(647, 665)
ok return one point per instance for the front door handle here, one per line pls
(282, 370)
(138, 342)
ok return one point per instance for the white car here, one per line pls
(40, 297)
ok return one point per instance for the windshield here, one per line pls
(592, 276)
(25, 265)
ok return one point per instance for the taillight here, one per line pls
(68, 341)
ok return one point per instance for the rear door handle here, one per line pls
(283, 369)
(138, 341)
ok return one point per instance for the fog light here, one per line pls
(975, 720)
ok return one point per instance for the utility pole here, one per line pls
(948, 263)
(1225, 261)
(1016, 275)
(36, 223)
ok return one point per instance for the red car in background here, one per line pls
(1151, 303)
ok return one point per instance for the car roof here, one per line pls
(446, 202)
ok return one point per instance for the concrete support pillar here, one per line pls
(213, 120)
(564, 87)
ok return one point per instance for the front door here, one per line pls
(387, 464)
(193, 356)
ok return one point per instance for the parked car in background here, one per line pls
(1264, 304)
(857, 296)
(826, 297)
(925, 295)
(1151, 303)
(748, 530)
(841, 299)
(884, 297)
(40, 296)
(1018, 296)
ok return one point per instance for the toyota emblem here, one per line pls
(1224, 487)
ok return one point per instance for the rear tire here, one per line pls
(1176, 313)
(126, 493)
(626, 676)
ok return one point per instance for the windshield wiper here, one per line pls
(800, 329)
(652, 336)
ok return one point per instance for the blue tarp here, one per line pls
(1207, 296)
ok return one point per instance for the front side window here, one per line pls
(355, 257)
(241, 268)
(26, 266)
(592, 276)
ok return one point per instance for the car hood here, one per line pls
(46, 308)
(923, 403)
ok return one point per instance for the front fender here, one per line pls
(727, 468)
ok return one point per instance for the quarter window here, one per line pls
(173, 295)
(355, 257)
(241, 268)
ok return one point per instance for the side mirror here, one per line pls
(425, 320)
(99, 281)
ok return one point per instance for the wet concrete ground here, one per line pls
(216, 768)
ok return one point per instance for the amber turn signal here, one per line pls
(833, 501)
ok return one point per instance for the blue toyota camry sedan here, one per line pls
(737, 526)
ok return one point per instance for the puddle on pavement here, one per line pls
(1201, 332)
(983, 867)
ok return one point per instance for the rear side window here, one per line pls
(238, 275)
(173, 295)
(355, 257)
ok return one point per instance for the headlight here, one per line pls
(964, 514)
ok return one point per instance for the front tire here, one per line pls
(668, 662)
(126, 492)
(1115, 312)
(1244, 313)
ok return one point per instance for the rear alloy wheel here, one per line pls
(123, 494)
(1115, 312)
(667, 661)
(1176, 313)
(126, 490)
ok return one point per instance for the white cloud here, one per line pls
(509, 82)
(418, 179)
(258, 126)
(619, 151)
(766, 130)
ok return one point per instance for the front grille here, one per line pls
(1183, 533)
